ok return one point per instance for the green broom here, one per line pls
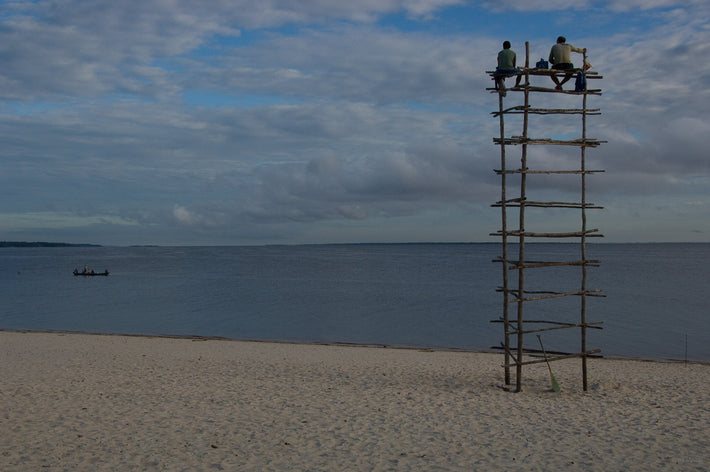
(555, 386)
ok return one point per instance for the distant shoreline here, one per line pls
(42, 244)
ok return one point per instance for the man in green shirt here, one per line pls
(506, 67)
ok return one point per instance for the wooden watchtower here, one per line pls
(522, 209)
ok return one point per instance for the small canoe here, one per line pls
(90, 274)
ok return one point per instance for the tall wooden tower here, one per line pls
(526, 213)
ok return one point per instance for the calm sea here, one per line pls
(422, 295)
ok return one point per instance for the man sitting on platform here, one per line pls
(560, 59)
(506, 67)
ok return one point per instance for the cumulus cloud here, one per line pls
(184, 216)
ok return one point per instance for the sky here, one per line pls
(175, 122)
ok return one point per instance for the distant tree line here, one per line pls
(42, 244)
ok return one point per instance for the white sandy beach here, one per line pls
(97, 403)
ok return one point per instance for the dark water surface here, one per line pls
(424, 295)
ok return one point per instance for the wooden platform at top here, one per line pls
(590, 74)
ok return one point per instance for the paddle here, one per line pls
(555, 386)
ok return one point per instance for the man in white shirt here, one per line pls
(560, 58)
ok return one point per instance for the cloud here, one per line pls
(184, 216)
(562, 5)
(262, 118)
(352, 63)
(10, 222)
(534, 5)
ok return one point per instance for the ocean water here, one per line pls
(419, 295)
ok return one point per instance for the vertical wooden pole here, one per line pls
(521, 228)
(583, 308)
(504, 229)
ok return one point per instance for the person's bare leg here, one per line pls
(564, 81)
(558, 86)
